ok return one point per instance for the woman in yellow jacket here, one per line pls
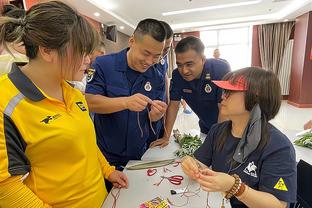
(48, 151)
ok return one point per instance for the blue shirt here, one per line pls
(162, 66)
(201, 94)
(263, 170)
(118, 134)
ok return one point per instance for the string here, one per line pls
(185, 194)
(207, 204)
(139, 124)
(150, 123)
(115, 196)
(164, 119)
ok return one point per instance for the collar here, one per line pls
(121, 64)
(205, 70)
(251, 136)
(24, 84)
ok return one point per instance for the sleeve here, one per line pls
(175, 88)
(13, 161)
(279, 174)
(13, 193)
(205, 151)
(96, 83)
(107, 169)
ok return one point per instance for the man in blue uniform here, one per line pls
(192, 82)
(125, 92)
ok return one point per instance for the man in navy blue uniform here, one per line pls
(125, 92)
(192, 82)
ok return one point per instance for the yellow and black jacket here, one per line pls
(51, 140)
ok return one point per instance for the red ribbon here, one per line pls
(151, 172)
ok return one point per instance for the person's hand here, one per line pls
(118, 179)
(137, 102)
(158, 110)
(190, 167)
(162, 142)
(212, 181)
(308, 125)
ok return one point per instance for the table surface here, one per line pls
(302, 153)
(141, 186)
(141, 189)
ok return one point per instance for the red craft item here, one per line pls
(151, 172)
(176, 163)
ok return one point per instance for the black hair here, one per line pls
(189, 43)
(151, 27)
(168, 29)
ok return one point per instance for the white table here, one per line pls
(302, 153)
(141, 189)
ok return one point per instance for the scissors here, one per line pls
(175, 180)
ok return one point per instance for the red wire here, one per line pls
(194, 193)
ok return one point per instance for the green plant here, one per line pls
(305, 140)
(188, 145)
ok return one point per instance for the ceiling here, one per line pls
(200, 14)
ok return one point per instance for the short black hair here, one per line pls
(151, 27)
(168, 29)
(189, 43)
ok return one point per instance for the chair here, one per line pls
(304, 185)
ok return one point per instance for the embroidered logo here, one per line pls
(90, 74)
(148, 86)
(280, 185)
(81, 106)
(50, 118)
(208, 89)
(207, 77)
(251, 169)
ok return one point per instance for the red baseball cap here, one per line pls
(238, 85)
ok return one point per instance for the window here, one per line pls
(234, 45)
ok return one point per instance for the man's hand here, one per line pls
(118, 179)
(137, 102)
(308, 125)
(158, 110)
(160, 142)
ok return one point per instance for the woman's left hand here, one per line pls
(118, 179)
(212, 181)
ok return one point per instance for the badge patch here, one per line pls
(90, 74)
(207, 77)
(280, 185)
(81, 106)
(187, 90)
(251, 169)
(148, 86)
(208, 88)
